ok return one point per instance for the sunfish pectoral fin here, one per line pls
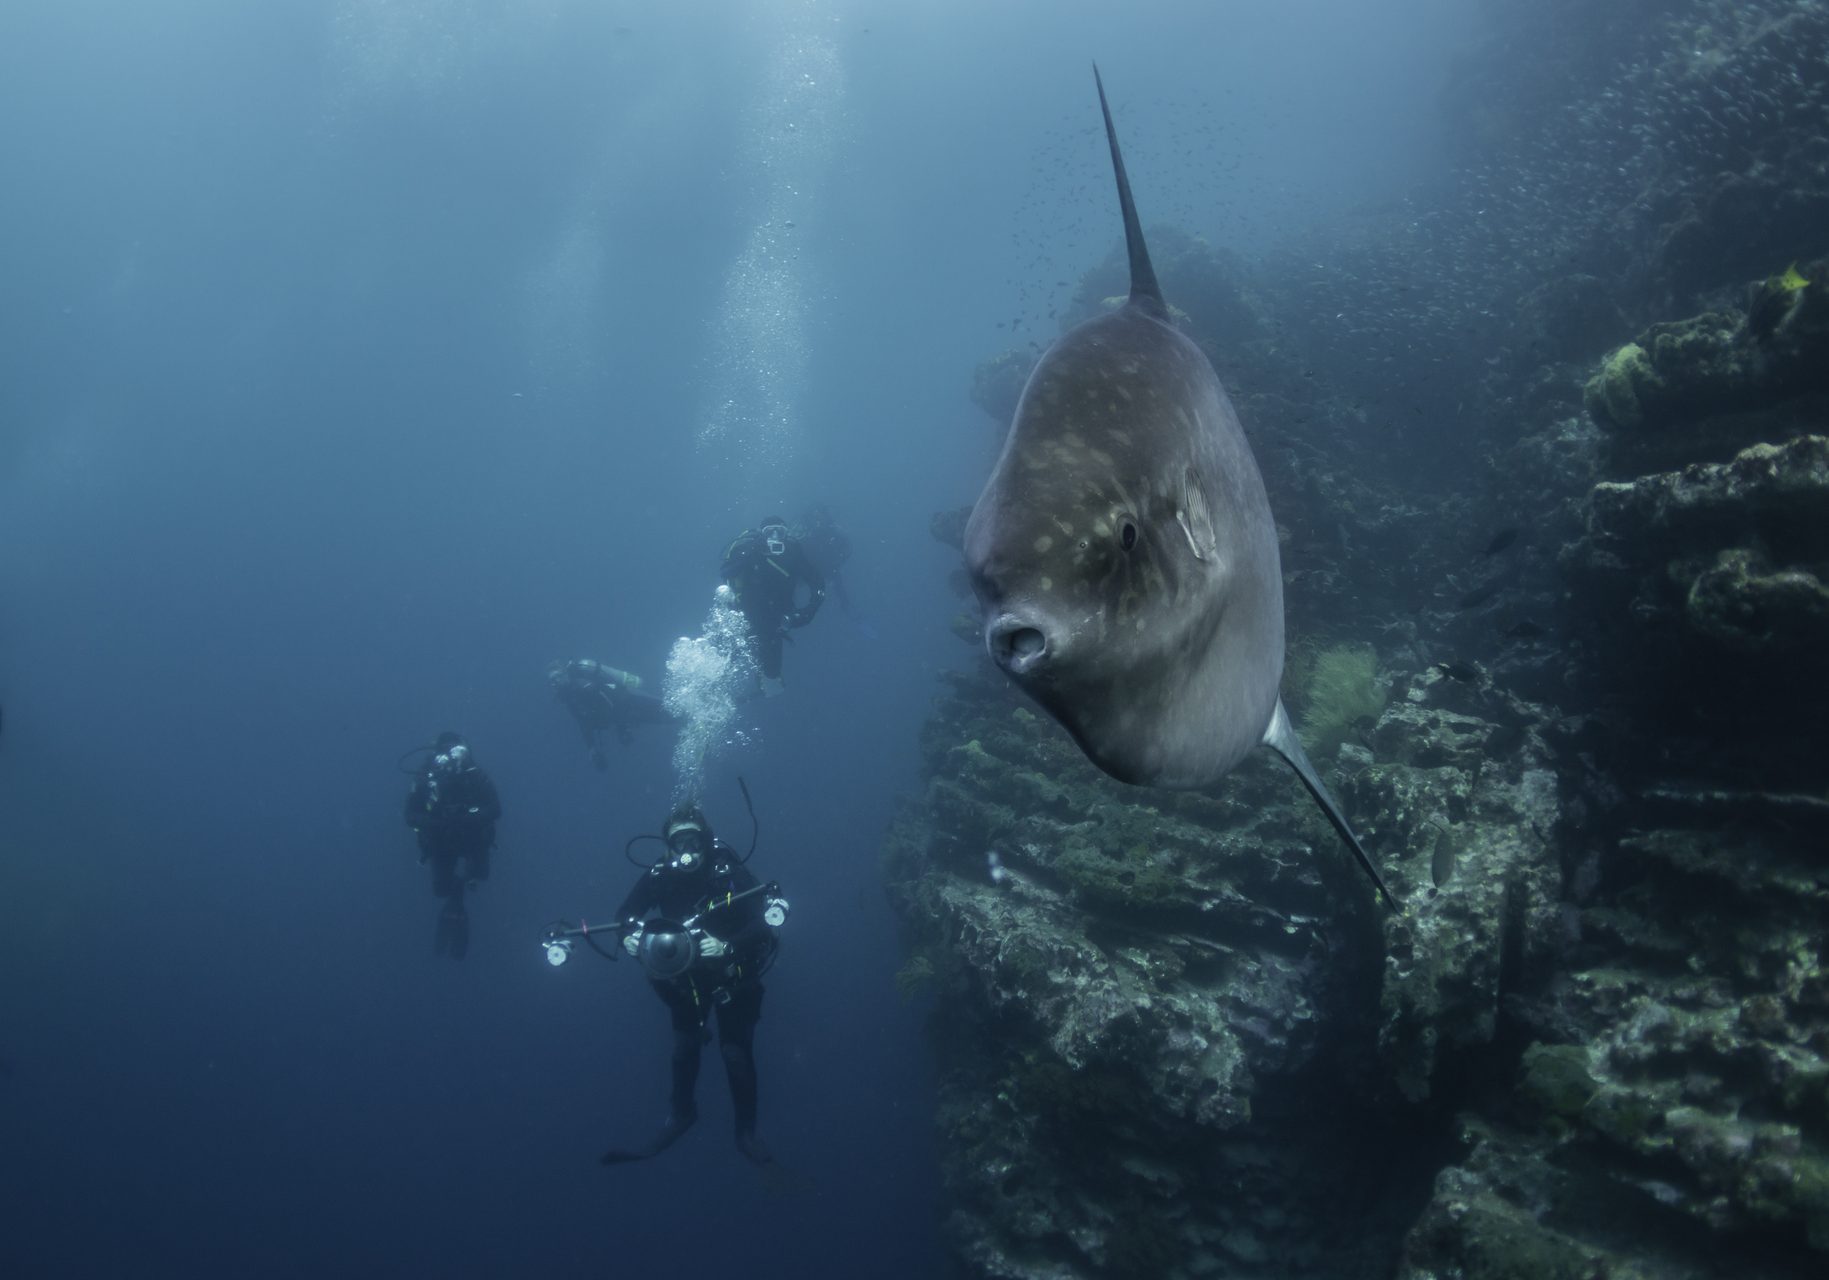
(1195, 519)
(1281, 738)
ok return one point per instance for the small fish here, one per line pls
(1441, 862)
(1792, 280)
(1465, 672)
(1478, 596)
(1524, 629)
(1500, 540)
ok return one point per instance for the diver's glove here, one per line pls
(711, 948)
(631, 942)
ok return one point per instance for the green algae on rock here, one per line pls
(1720, 362)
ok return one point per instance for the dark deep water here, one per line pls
(361, 358)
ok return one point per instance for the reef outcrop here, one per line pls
(1690, 386)
(1143, 1002)
(1703, 562)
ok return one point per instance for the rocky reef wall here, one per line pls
(1174, 1035)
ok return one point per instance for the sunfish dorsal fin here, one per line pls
(1143, 286)
(1281, 738)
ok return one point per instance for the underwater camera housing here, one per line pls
(667, 949)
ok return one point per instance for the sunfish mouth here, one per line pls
(1017, 645)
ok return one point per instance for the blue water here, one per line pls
(358, 360)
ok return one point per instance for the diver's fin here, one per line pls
(1143, 286)
(453, 936)
(668, 1135)
(1281, 738)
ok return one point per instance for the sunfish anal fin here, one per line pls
(1281, 738)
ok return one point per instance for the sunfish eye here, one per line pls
(1129, 536)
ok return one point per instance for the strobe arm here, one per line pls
(560, 937)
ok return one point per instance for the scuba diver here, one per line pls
(828, 548)
(703, 929)
(453, 809)
(603, 699)
(766, 569)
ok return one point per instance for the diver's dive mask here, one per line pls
(687, 845)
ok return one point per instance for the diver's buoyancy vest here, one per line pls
(749, 554)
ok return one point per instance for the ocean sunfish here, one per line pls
(1125, 558)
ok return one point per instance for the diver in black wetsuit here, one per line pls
(828, 548)
(720, 971)
(767, 570)
(603, 699)
(453, 808)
